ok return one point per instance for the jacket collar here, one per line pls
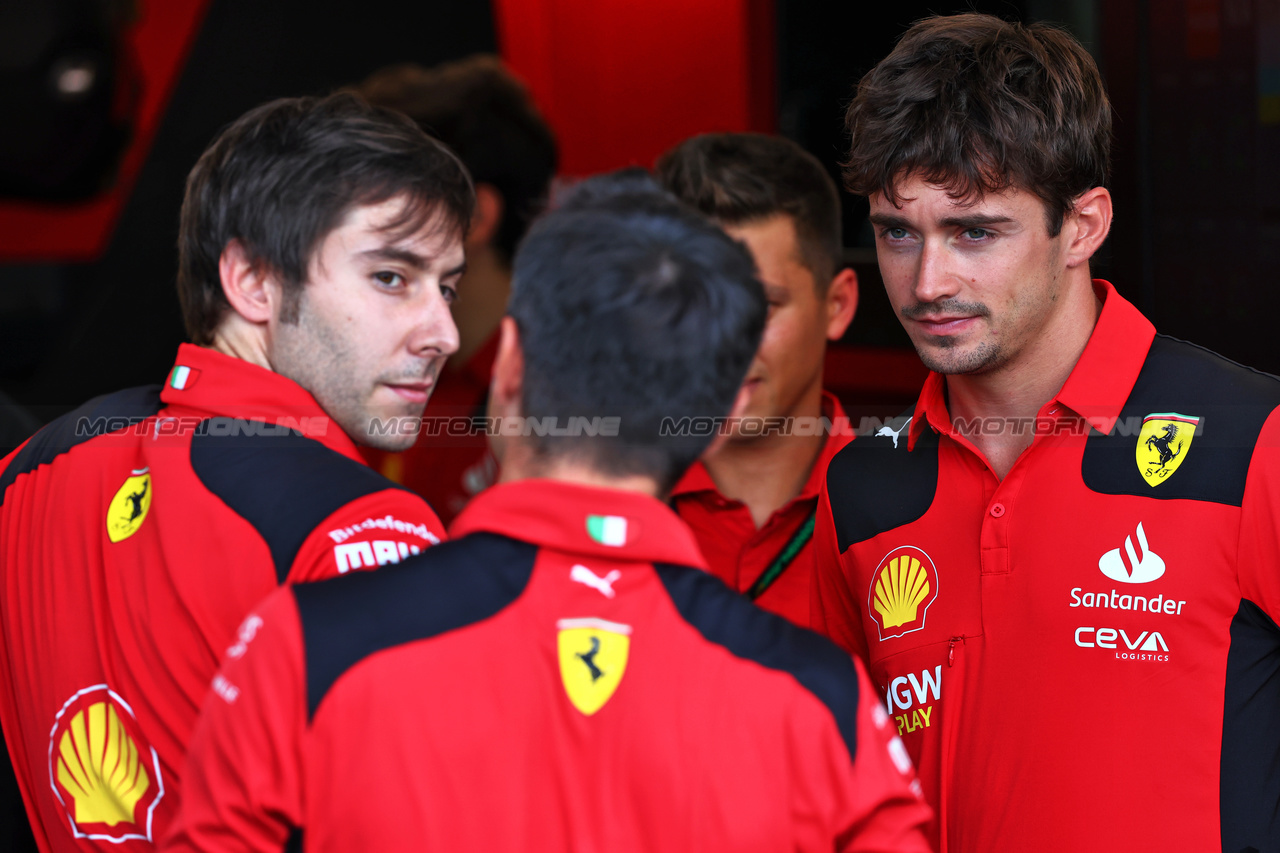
(587, 520)
(224, 386)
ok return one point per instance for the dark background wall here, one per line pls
(72, 331)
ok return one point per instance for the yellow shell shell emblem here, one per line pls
(128, 509)
(902, 588)
(593, 657)
(103, 774)
(1163, 444)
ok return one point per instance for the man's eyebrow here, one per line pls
(976, 220)
(888, 220)
(391, 253)
(456, 271)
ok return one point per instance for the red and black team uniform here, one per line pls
(555, 678)
(135, 534)
(772, 565)
(450, 463)
(1083, 655)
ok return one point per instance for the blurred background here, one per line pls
(108, 103)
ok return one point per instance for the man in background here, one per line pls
(751, 501)
(320, 246)
(557, 677)
(485, 115)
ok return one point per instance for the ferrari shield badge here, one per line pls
(593, 657)
(1163, 444)
(128, 509)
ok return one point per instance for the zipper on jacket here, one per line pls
(951, 651)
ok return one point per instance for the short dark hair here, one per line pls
(286, 173)
(738, 178)
(631, 305)
(484, 113)
(979, 105)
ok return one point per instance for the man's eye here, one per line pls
(896, 233)
(450, 294)
(976, 233)
(390, 279)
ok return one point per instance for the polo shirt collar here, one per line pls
(230, 387)
(1099, 384)
(588, 520)
(698, 479)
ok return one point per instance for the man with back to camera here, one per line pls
(556, 674)
(751, 503)
(1061, 566)
(485, 115)
(320, 244)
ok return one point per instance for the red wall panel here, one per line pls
(623, 80)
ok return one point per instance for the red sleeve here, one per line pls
(886, 812)
(243, 772)
(833, 610)
(1259, 555)
(377, 529)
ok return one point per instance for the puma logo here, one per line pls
(887, 431)
(603, 585)
(589, 658)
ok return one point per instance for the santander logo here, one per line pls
(1143, 566)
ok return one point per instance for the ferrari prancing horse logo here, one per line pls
(593, 657)
(128, 509)
(1163, 444)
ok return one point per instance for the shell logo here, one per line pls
(102, 771)
(902, 588)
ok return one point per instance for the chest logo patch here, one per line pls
(1144, 565)
(102, 771)
(902, 588)
(128, 509)
(1163, 443)
(593, 657)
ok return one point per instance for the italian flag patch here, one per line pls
(608, 529)
(182, 377)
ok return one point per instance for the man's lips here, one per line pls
(945, 325)
(412, 392)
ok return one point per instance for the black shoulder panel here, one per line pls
(876, 485)
(1250, 786)
(99, 416)
(726, 619)
(278, 480)
(1232, 403)
(448, 586)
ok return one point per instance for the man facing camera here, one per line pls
(563, 675)
(1061, 563)
(751, 502)
(320, 245)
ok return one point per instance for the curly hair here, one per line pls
(978, 105)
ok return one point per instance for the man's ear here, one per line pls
(252, 293)
(490, 207)
(842, 303)
(507, 385)
(1089, 223)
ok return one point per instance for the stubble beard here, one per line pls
(312, 353)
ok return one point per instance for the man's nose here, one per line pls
(935, 278)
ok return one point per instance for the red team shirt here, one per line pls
(1083, 655)
(555, 678)
(135, 534)
(739, 553)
